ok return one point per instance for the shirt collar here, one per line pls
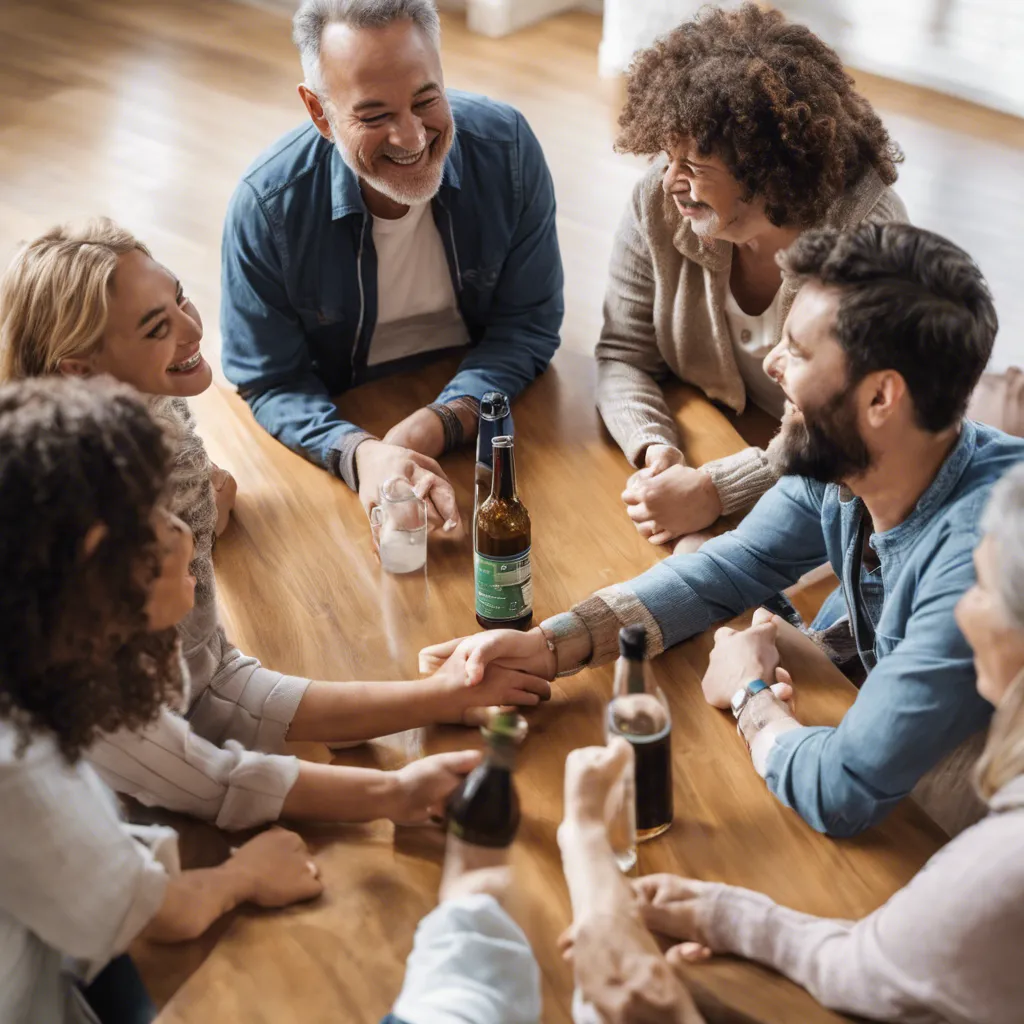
(937, 494)
(1010, 797)
(347, 197)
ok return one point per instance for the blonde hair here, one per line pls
(1003, 758)
(54, 296)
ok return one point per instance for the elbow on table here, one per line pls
(845, 819)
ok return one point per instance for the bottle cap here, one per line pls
(508, 726)
(633, 642)
(493, 405)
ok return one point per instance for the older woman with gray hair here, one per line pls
(946, 948)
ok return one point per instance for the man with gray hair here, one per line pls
(405, 221)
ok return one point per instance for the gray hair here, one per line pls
(313, 16)
(1002, 760)
(1004, 520)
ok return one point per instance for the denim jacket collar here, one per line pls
(347, 197)
(903, 535)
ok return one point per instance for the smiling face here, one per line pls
(152, 336)
(820, 435)
(709, 197)
(386, 108)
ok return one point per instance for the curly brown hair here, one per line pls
(76, 655)
(769, 99)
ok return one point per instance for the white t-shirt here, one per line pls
(416, 307)
(753, 337)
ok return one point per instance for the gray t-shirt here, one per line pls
(75, 887)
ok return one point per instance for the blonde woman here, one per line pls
(94, 301)
(946, 949)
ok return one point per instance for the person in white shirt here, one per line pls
(95, 574)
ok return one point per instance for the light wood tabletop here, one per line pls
(302, 590)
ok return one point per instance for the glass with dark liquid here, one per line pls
(639, 713)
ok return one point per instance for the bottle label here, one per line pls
(504, 587)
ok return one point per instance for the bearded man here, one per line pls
(882, 476)
(378, 237)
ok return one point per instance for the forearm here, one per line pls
(632, 405)
(840, 963)
(195, 899)
(596, 885)
(340, 712)
(761, 722)
(324, 792)
(619, 969)
(302, 416)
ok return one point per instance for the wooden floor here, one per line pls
(149, 110)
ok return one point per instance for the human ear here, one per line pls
(75, 366)
(316, 111)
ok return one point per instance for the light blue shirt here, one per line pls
(919, 701)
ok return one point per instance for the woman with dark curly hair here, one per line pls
(93, 301)
(96, 576)
(760, 135)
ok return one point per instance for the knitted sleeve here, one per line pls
(629, 365)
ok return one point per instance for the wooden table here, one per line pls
(302, 590)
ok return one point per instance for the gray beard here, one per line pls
(397, 195)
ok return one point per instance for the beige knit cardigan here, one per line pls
(664, 316)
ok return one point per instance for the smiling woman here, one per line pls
(135, 322)
(91, 301)
(758, 135)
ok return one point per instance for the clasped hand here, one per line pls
(667, 499)
(741, 656)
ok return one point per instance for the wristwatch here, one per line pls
(741, 698)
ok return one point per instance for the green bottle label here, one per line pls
(504, 588)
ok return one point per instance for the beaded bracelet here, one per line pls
(453, 432)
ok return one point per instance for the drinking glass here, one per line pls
(399, 526)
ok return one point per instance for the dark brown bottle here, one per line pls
(484, 810)
(501, 548)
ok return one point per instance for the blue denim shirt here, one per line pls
(299, 275)
(919, 701)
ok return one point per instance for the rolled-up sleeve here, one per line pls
(169, 765)
(69, 870)
(242, 700)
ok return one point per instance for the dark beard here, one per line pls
(826, 446)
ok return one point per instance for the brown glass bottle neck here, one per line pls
(503, 482)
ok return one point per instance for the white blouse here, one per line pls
(75, 887)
